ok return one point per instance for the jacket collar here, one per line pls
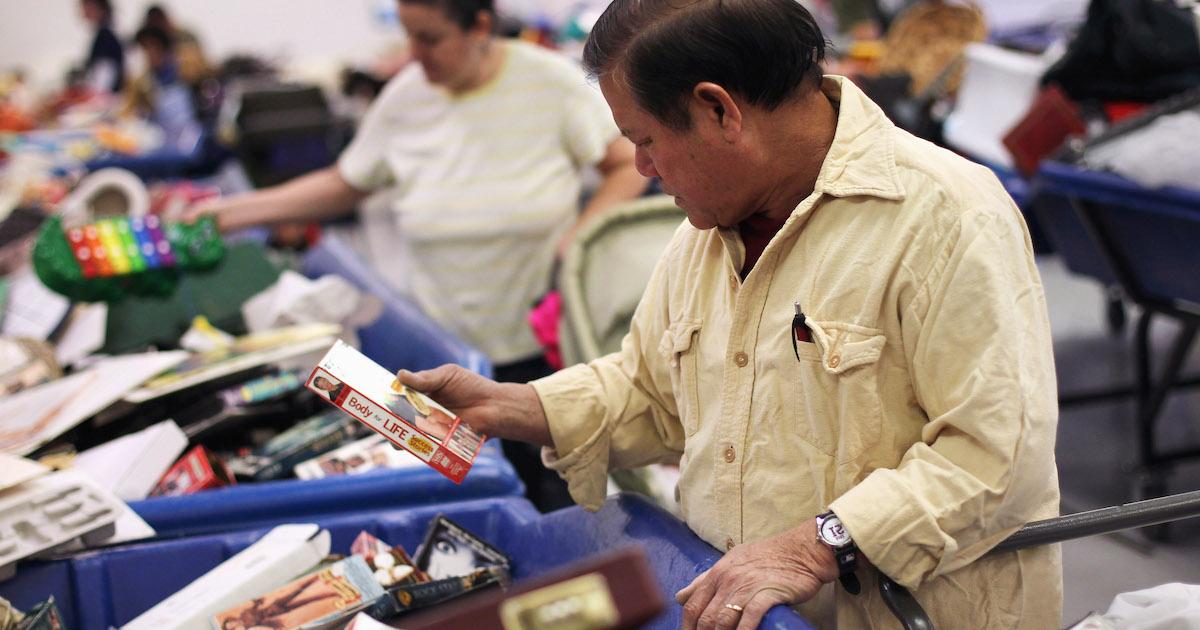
(862, 158)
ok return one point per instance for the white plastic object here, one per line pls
(48, 512)
(997, 89)
(112, 191)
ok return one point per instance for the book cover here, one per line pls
(357, 457)
(407, 418)
(310, 600)
(450, 550)
(307, 439)
(199, 469)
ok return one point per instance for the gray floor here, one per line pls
(1095, 449)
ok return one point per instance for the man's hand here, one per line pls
(785, 569)
(507, 410)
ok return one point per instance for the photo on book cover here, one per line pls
(346, 585)
(330, 387)
(449, 550)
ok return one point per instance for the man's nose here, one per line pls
(644, 164)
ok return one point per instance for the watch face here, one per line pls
(832, 532)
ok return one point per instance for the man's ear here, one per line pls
(484, 23)
(714, 104)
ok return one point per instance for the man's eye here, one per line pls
(643, 143)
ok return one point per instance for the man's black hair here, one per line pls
(763, 50)
(154, 34)
(465, 13)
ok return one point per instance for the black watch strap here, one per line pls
(847, 564)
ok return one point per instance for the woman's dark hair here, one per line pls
(763, 50)
(465, 13)
(156, 35)
(156, 16)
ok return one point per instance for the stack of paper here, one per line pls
(37, 415)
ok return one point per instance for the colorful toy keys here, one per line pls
(110, 258)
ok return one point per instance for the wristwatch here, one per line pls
(831, 532)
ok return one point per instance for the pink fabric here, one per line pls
(543, 319)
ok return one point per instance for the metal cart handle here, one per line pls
(902, 604)
(1176, 507)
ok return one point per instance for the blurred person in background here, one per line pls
(189, 55)
(160, 94)
(482, 144)
(104, 69)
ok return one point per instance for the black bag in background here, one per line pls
(1131, 50)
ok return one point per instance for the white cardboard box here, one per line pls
(131, 465)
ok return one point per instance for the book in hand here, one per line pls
(407, 418)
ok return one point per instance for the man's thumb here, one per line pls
(425, 380)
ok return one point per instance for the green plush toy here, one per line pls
(109, 259)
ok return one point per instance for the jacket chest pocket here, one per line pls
(680, 346)
(836, 389)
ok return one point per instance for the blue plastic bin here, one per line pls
(1016, 185)
(404, 337)
(676, 554)
(273, 502)
(1145, 241)
(112, 587)
(1154, 231)
(1064, 228)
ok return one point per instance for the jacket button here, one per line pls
(730, 454)
(835, 361)
(741, 359)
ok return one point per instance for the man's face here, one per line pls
(450, 56)
(695, 165)
(156, 55)
(91, 12)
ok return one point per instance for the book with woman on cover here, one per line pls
(407, 418)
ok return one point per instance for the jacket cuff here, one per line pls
(581, 442)
(891, 528)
